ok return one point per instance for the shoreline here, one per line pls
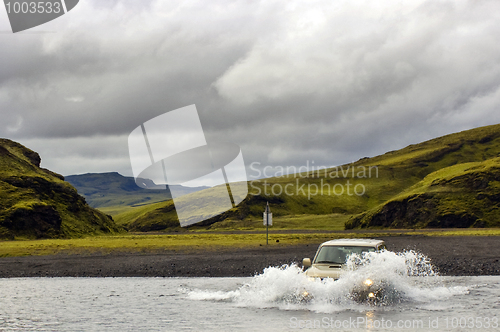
(451, 256)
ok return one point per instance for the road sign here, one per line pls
(268, 221)
(268, 216)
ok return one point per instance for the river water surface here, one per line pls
(272, 301)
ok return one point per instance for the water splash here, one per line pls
(404, 277)
(409, 263)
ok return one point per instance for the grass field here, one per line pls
(205, 241)
(330, 222)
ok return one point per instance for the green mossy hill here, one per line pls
(463, 195)
(387, 179)
(38, 203)
(162, 216)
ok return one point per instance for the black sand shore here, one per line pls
(455, 256)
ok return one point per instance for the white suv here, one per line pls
(332, 255)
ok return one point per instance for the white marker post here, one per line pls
(268, 221)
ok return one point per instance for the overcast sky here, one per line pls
(290, 82)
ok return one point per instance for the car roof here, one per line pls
(353, 242)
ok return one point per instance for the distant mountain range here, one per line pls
(38, 203)
(111, 192)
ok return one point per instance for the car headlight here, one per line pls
(368, 282)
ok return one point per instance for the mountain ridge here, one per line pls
(108, 191)
(397, 172)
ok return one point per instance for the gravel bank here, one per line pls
(455, 256)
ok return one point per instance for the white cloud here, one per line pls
(75, 99)
(12, 128)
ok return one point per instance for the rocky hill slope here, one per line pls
(38, 203)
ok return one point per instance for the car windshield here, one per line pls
(339, 254)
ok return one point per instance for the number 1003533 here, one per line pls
(25, 7)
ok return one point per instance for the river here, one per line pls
(272, 301)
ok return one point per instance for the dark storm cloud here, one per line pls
(105, 77)
(287, 81)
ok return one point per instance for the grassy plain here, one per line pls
(203, 241)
